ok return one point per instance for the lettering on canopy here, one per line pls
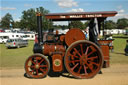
(94, 15)
(82, 16)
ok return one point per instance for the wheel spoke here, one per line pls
(91, 53)
(93, 49)
(95, 64)
(36, 60)
(37, 71)
(86, 50)
(81, 48)
(92, 58)
(77, 52)
(43, 66)
(74, 66)
(41, 61)
(73, 55)
(85, 70)
(32, 61)
(90, 67)
(30, 66)
(79, 69)
(42, 70)
(73, 61)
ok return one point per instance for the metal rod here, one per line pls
(103, 27)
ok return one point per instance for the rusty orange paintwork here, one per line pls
(62, 37)
(73, 35)
(52, 48)
(105, 50)
(57, 62)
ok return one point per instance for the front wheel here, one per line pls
(83, 59)
(37, 66)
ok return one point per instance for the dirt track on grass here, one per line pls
(114, 75)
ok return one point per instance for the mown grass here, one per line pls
(15, 58)
(118, 56)
(120, 36)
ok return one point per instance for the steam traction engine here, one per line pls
(69, 52)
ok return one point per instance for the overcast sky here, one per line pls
(16, 7)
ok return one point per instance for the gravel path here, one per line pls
(114, 75)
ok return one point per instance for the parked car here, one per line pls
(16, 43)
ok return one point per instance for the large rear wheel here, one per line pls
(37, 66)
(83, 59)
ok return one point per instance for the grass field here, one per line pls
(15, 58)
(118, 55)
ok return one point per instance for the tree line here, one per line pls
(28, 21)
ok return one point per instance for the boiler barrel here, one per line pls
(50, 49)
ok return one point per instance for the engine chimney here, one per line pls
(39, 28)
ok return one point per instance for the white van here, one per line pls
(3, 39)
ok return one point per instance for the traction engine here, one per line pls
(64, 53)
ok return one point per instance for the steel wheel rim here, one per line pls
(37, 66)
(85, 65)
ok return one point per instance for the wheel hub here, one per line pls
(37, 66)
(83, 59)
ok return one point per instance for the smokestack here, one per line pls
(39, 27)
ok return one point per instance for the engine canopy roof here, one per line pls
(79, 15)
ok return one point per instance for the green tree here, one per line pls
(122, 23)
(110, 24)
(29, 19)
(60, 27)
(16, 24)
(6, 21)
(77, 24)
(86, 24)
